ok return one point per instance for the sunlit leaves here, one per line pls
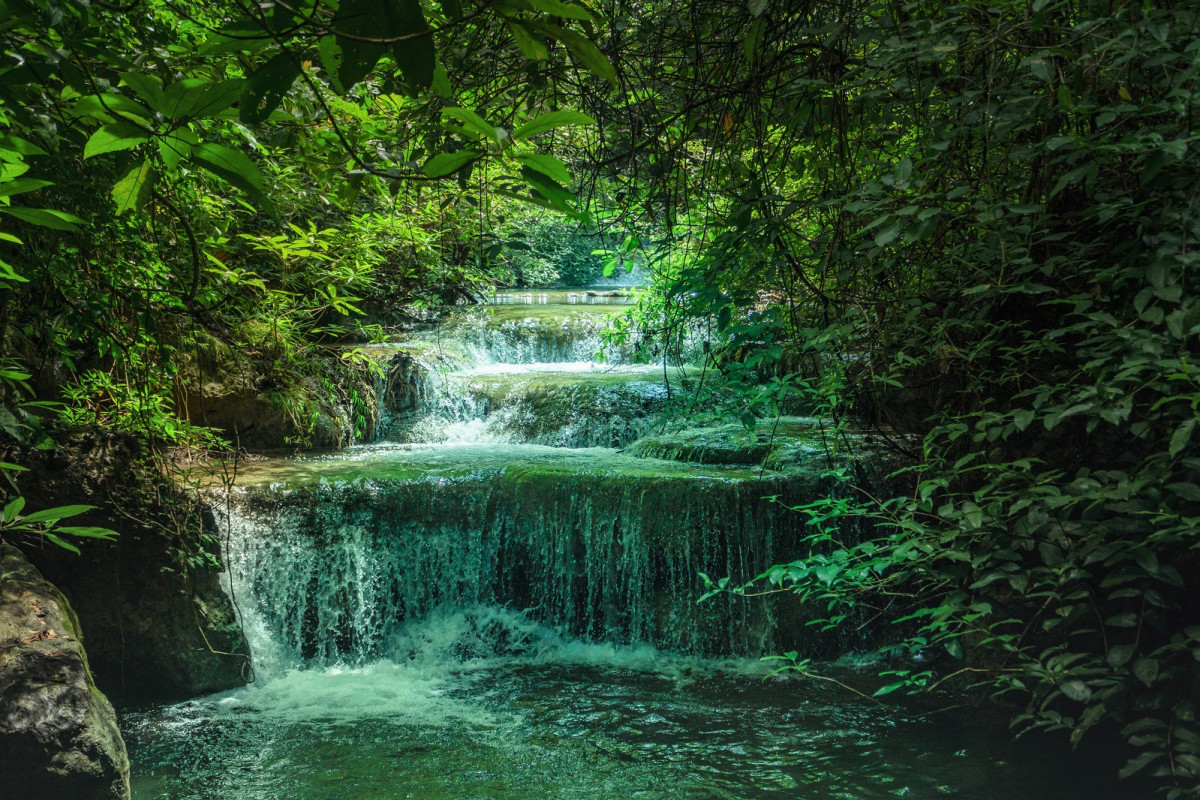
(234, 167)
(132, 191)
(472, 122)
(114, 137)
(550, 166)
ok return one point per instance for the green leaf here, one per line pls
(1136, 764)
(87, 531)
(47, 218)
(13, 508)
(212, 100)
(753, 39)
(20, 146)
(555, 119)
(383, 20)
(528, 42)
(441, 81)
(556, 195)
(55, 514)
(132, 192)
(267, 87)
(1182, 436)
(1077, 690)
(22, 185)
(176, 147)
(472, 121)
(550, 166)
(60, 542)
(417, 58)
(557, 9)
(447, 163)
(889, 234)
(1146, 670)
(182, 95)
(582, 48)
(1119, 655)
(114, 137)
(236, 168)
(148, 88)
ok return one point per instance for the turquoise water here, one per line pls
(485, 704)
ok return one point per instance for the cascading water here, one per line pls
(480, 615)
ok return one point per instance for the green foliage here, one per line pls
(973, 229)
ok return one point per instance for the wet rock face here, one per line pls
(58, 733)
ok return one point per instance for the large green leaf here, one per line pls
(557, 9)
(472, 122)
(236, 168)
(214, 99)
(447, 163)
(23, 147)
(46, 217)
(148, 88)
(113, 137)
(555, 119)
(528, 42)
(182, 95)
(267, 87)
(559, 197)
(176, 147)
(363, 29)
(582, 48)
(22, 185)
(548, 165)
(54, 514)
(132, 192)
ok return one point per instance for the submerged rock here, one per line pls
(58, 733)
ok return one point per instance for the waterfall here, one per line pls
(501, 492)
(330, 572)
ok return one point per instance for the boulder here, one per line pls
(58, 732)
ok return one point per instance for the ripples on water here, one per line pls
(488, 705)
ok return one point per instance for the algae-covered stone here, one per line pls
(58, 733)
(774, 444)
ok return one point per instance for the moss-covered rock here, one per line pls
(773, 444)
(322, 401)
(58, 733)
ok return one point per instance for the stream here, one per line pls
(497, 599)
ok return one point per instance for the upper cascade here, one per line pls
(532, 367)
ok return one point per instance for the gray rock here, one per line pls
(58, 733)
